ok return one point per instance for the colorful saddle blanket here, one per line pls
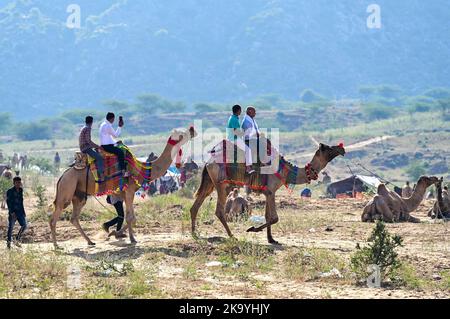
(113, 180)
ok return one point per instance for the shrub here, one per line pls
(380, 251)
(378, 111)
(34, 131)
(5, 184)
(415, 170)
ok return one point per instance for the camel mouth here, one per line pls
(340, 151)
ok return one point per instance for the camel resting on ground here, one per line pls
(236, 206)
(391, 207)
(441, 207)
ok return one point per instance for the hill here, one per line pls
(199, 50)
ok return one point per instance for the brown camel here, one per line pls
(211, 180)
(236, 206)
(71, 187)
(8, 175)
(441, 208)
(391, 207)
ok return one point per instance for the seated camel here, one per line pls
(441, 208)
(235, 206)
(391, 207)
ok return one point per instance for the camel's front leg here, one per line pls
(130, 216)
(75, 219)
(271, 219)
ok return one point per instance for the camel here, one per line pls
(8, 175)
(75, 185)
(391, 207)
(236, 206)
(441, 208)
(211, 180)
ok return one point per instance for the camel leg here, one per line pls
(205, 189)
(197, 204)
(383, 209)
(220, 208)
(271, 217)
(130, 216)
(75, 219)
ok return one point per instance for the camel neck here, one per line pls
(162, 163)
(417, 197)
(302, 177)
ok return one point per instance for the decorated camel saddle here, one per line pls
(231, 160)
(113, 180)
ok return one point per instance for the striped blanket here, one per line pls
(113, 177)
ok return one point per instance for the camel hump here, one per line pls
(382, 190)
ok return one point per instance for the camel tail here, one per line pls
(206, 184)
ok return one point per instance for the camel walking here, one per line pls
(75, 185)
(391, 207)
(290, 175)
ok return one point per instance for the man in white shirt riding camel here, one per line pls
(250, 128)
(108, 142)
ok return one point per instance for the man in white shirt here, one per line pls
(108, 142)
(251, 129)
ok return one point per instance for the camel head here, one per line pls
(326, 154)
(182, 136)
(427, 181)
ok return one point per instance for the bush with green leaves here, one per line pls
(380, 251)
(44, 164)
(416, 170)
(5, 184)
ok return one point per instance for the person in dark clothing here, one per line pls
(117, 202)
(87, 146)
(16, 211)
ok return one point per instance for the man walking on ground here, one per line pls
(16, 211)
(117, 202)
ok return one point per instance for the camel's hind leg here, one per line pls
(130, 216)
(205, 189)
(198, 203)
(220, 208)
(75, 219)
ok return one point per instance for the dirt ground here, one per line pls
(178, 266)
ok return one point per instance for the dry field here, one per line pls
(317, 236)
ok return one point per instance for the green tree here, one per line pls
(5, 122)
(367, 91)
(203, 108)
(375, 111)
(34, 131)
(444, 106)
(438, 93)
(389, 91)
(380, 251)
(309, 96)
(416, 170)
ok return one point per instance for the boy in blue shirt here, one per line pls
(235, 135)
